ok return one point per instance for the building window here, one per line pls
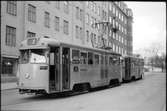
(122, 18)
(80, 33)
(110, 7)
(99, 10)
(77, 12)
(66, 7)
(9, 66)
(10, 36)
(81, 13)
(87, 18)
(65, 27)
(87, 4)
(12, 7)
(57, 21)
(96, 9)
(47, 20)
(87, 35)
(57, 4)
(95, 38)
(77, 31)
(99, 40)
(91, 36)
(113, 47)
(113, 35)
(91, 22)
(31, 13)
(113, 10)
(30, 34)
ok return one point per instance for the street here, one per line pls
(148, 94)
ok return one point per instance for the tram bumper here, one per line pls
(32, 91)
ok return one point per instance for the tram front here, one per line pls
(33, 69)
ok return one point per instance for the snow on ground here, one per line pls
(148, 94)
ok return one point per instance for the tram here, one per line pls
(132, 68)
(47, 65)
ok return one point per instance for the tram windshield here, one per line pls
(33, 56)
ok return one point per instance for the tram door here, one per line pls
(54, 69)
(127, 68)
(65, 68)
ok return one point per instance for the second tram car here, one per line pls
(132, 68)
(49, 66)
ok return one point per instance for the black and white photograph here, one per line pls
(83, 56)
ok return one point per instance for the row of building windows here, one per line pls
(118, 49)
(93, 6)
(90, 20)
(78, 31)
(118, 37)
(117, 14)
(32, 18)
(93, 37)
(115, 36)
(119, 26)
(79, 14)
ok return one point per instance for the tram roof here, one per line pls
(133, 57)
(43, 43)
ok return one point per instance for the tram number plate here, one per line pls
(76, 69)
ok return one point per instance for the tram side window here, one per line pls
(115, 61)
(75, 56)
(52, 59)
(106, 60)
(90, 58)
(102, 59)
(110, 60)
(96, 59)
(83, 58)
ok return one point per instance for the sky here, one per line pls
(149, 24)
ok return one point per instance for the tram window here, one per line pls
(90, 58)
(115, 61)
(132, 65)
(83, 58)
(24, 57)
(38, 56)
(51, 58)
(33, 56)
(102, 59)
(96, 59)
(106, 59)
(110, 60)
(75, 56)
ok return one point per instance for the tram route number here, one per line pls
(76, 69)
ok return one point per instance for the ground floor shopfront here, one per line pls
(9, 69)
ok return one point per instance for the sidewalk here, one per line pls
(10, 85)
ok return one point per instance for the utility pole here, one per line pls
(106, 26)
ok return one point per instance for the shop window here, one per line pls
(9, 66)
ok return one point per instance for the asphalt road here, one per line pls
(148, 94)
